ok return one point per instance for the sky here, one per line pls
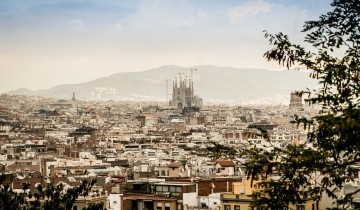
(44, 43)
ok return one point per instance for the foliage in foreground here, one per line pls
(52, 197)
(333, 60)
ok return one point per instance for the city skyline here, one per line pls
(45, 44)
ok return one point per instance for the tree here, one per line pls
(219, 151)
(332, 57)
(52, 197)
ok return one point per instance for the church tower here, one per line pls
(73, 98)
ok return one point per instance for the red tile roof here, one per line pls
(226, 163)
(175, 165)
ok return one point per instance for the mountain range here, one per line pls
(212, 83)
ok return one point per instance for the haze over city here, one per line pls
(47, 43)
(180, 104)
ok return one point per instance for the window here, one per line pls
(227, 207)
(178, 189)
(237, 207)
(158, 188)
(242, 190)
(159, 206)
(167, 206)
(162, 188)
(300, 207)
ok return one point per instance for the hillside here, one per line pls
(212, 83)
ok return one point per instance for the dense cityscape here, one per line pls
(143, 155)
(210, 125)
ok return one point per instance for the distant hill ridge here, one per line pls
(212, 83)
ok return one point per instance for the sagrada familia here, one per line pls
(183, 94)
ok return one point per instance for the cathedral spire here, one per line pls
(73, 98)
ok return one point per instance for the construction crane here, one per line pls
(191, 72)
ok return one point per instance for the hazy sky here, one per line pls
(44, 43)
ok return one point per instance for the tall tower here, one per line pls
(295, 100)
(192, 82)
(73, 98)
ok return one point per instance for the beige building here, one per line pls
(241, 198)
(83, 202)
(177, 169)
(225, 168)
